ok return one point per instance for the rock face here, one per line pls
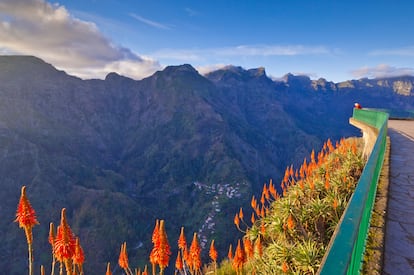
(190, 149)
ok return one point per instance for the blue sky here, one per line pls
(337, 40)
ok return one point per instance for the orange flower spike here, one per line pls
(262, 212)
(335, 204)
(186, 255)
(154, 255)
(271, 184)
(65, 243)
(239, 257)
(266, 192)
(123, 257)
(257, 210)
(253, 218)
(108, 269)
(253, 202)
(290, 222)
(301, 172)
(26, 215)
(329, 145)
(237, 220)
(313, 161)
(285, 177)
(304, 166)
(248, 247)
(52, 234)
(164, 248)
(241, 215)
(262, 228)
(354, 148)
(179, 262)
(273, 192)
(291, 171)
(213, 252)
(195, 253)
(262, 199)
(230, 253)
(79, 257)
(182, 242)
(155, 234)
(285, 267)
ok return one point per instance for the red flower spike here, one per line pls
(65, 244)
(164, 247)
(182, 243)
(195, 251)
(253, 219)
(230, 253)
(179, 262)
(26, 215)
(78, 258)
(241, 215)
(213, 252)
(123, 257)
(237, 220)
(239, 257)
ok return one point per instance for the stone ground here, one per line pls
(399, 232)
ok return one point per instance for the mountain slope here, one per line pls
(190, 149)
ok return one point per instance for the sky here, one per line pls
(332, 39)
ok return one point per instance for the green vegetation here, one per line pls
(293, 231)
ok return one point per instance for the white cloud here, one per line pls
(35, 27)
(149, 22)
(209, 68)
(406, 51)
(187, 55)
(382, 70)
(191, 12)
(272, 50)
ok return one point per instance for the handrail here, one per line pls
(346, 249)
(397, 114)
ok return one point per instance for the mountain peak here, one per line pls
(28, 67)
(184, 68)
(257, 72)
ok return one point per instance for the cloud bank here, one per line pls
(382, 70)
(241, 50)
(35, 27)
(405, 51)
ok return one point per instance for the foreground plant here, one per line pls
(290, 232)
(26, 217)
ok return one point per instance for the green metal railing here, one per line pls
(396, 114)
(346, 251)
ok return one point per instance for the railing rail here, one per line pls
(396, 114)
(347, 246)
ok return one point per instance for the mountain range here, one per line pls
(188, 148)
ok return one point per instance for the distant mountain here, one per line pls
(179, 146)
